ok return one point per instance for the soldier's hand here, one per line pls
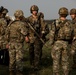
(27, 39)
(72, 52)
(7, 46)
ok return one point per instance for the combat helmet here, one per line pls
(73, 11)
(63, 11)
(18, 13)
(34, 8)
(1, 8)
(5, 11)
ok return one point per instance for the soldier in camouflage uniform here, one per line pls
(73, 14)
(73, 47)
(3, 25)
(16, 33)
(60, 39)
(4, 52)
(5, 16)
(35, 44)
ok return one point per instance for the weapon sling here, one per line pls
(37, 34)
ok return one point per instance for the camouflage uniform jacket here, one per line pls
(61, 30)
(74, 26)
(39, 27)
(3, 25)
(17, 31)
(73, 47)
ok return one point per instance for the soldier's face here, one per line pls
(73, 16)
(34, 12)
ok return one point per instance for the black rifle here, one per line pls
(32, 28)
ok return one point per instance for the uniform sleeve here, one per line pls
(42, 25)
(3, 23)
(24, 29)
(51, 34)
(7, 34)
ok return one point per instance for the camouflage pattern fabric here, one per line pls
(3, 25)
(73, 47)
(3, 50)
(16, 31)
(60, 55)
(35, 45)
(16, 56)
(74, 26)
(61, 45)
(35, 52)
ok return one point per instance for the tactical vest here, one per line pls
(64, 30)
(15, 33)
(35, 23)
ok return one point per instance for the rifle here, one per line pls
(36, 32)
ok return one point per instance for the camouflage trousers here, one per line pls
(35, 52)
(60, 55)
(73, 50)
(4, 55)
(16, 56)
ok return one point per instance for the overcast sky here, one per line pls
(48, 7)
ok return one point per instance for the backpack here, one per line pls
(15, 32)
(63, 30)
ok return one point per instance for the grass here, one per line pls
(46, 63)
(45, 67)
